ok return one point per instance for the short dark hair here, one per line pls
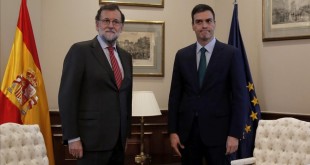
(201, 8)
(111, 7)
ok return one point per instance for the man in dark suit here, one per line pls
(95, 94)
(207, 96)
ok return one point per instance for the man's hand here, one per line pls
(76, 149)
(126, 144)
(231, 145)
(175, 143)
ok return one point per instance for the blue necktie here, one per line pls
(202, 66)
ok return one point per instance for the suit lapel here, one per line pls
(214, 57)
(191, 61)
(124, 61)
(101, 57)
(212, 64)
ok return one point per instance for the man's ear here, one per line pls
(122, 27)
(97, 25)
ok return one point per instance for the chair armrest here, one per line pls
(245, 161)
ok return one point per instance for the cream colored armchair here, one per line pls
(285, 141)
(22, 145)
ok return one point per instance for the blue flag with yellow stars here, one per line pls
(253, 114)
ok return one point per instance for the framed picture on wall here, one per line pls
(286, 19)
(145, 3)
(145, 41)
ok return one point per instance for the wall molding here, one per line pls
(277, 115)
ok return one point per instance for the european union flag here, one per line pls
(253, 114)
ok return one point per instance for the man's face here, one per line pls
(204, 26)
(110, 25)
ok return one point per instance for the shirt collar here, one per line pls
(209, 46)
(103, 44)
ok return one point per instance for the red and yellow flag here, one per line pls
(22, 97)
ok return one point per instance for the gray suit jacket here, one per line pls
(90, 104)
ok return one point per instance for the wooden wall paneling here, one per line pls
(156, 139)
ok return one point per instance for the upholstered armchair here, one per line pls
(22, 145)
(285, 141)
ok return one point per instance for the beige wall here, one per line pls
(279, 69)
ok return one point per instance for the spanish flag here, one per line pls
(22, 97)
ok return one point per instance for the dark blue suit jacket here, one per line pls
(219, 104)
(90, 104)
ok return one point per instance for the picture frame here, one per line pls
(143, 3)
(145, 41)
(286, 20)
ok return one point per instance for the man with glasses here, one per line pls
(207, 96)
(95, 94)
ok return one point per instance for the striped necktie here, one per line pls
(115, 67)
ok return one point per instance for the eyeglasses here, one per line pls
(200, 21)
(107, 22)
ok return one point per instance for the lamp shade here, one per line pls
(144, 104)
